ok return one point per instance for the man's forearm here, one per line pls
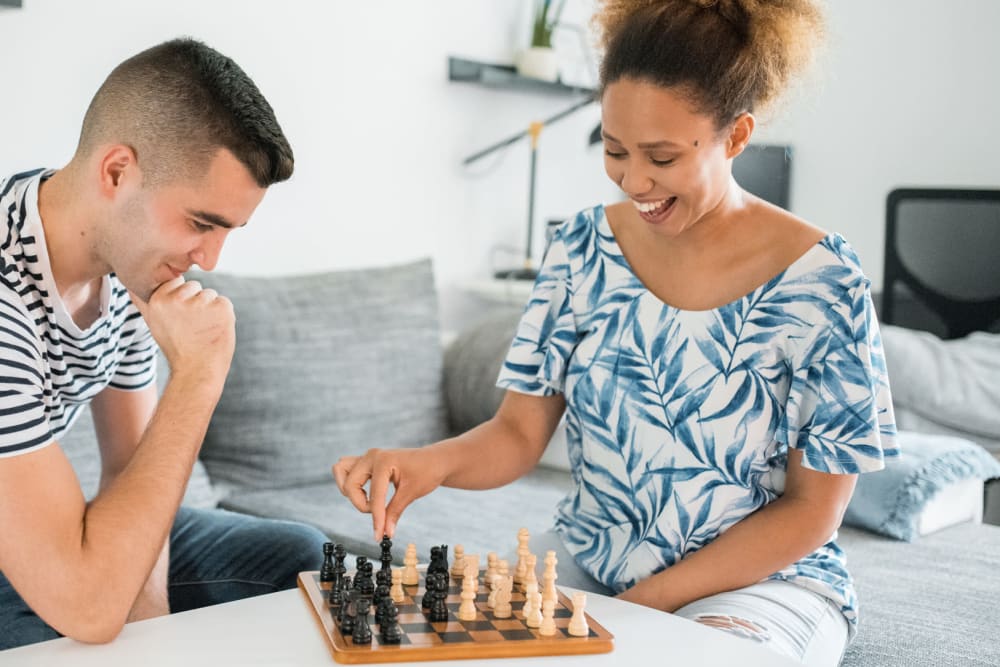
(137, 508)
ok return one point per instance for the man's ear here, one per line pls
(739, 134)
(118, 167)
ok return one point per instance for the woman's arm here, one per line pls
(770, 539)
(493, 454)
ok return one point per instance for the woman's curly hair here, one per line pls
(729, 56)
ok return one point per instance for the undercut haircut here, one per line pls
(176, 104)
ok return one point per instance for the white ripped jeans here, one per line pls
(780, 615)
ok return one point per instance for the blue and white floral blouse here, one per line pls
(679, 421)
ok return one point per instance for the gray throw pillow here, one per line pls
(472, 364)
(326, 365)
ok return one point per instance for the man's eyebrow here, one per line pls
(649, 144)
(214, 219)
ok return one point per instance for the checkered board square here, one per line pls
(484, 637)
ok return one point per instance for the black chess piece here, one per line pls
(434, 566)
(381, 595)
(345, 620)
(362, 633)
(327, 571)
(439, 609)
(359, 569)
(429, 588)
(339, 555)
(389, 628)
(386, 557)
(336, 596)
(367, 587)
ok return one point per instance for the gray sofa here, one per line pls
(332, 364)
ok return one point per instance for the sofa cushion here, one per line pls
(945, 386)
(892, 500)
(326, 365)
(80, 447)
(481, 521)
(932, 603)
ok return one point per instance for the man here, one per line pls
(177, 149)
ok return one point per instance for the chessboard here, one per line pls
(484, 637)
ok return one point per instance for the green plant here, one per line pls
(546, 19)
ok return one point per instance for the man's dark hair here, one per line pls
(176, 104)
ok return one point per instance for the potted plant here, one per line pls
(539, 60)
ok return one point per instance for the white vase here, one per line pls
(538, 62)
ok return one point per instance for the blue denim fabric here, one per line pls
(215, 556)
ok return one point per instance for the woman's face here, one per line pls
(671, 161)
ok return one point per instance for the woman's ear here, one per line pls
(739, 134)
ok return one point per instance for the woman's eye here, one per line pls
(201, 227)
(662, 163)
(616, 156)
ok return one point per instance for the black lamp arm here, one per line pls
(520, 135)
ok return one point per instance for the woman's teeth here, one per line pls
(649, 207)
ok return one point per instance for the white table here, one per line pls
(279, 629)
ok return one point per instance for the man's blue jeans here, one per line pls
(215, 556)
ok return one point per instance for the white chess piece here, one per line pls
(548, 626)
(467, 610)
(396, 592)
(502, 609)
(529, 571)
(410, 575)
(523, 536)
(549, 577)
(458, 566)
(578, 623)
(533, 606)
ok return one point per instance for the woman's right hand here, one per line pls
(413, 473)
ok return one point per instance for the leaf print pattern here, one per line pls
(679, 422)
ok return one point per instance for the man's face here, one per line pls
(158, 232)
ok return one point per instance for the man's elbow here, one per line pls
(87, 621)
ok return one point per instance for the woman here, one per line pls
(717, 358)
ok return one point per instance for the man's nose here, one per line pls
(206, 255)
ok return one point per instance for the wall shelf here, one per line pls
(505, 77)
(10, 3)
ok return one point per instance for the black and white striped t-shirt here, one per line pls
(49, 368)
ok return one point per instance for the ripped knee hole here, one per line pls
(737, 626)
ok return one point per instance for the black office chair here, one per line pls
(942, 261)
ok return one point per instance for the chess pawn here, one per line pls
(345, 619)
(533, 606)
(362, 633)
(410, 575)
(548, 625)
(491, 567)
(523, 536)
(439, 606)
(502, 608)
(396, 591)
(578, 623)
(458, 566)
(472, 570)
(467, 610)
(390, 632)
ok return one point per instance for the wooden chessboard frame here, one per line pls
(486, 645)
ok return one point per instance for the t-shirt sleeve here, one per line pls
(24, 423)
(546, 334)
(137, 367)
(839, 409)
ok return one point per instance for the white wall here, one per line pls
(907, 95)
